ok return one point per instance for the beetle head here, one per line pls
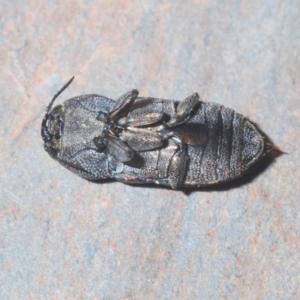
(52, 125)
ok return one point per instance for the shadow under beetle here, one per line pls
(148, 140)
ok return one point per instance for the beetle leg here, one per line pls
(178, 163)
(122, 105)
(142, 139)
(141, 119)
(118, 149)
(184, 110)
(177, 169)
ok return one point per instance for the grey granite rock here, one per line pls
(65, 238)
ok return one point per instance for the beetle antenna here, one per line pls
(57, 94)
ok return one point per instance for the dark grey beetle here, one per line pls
(148, 140)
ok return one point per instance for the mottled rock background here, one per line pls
(65, 238)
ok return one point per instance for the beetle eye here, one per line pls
(54, 125)
(52, 130)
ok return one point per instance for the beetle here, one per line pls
(142, 140)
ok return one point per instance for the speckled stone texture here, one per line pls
(62, 237)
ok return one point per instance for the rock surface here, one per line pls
(62, 237)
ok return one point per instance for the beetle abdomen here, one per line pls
(223, 146)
